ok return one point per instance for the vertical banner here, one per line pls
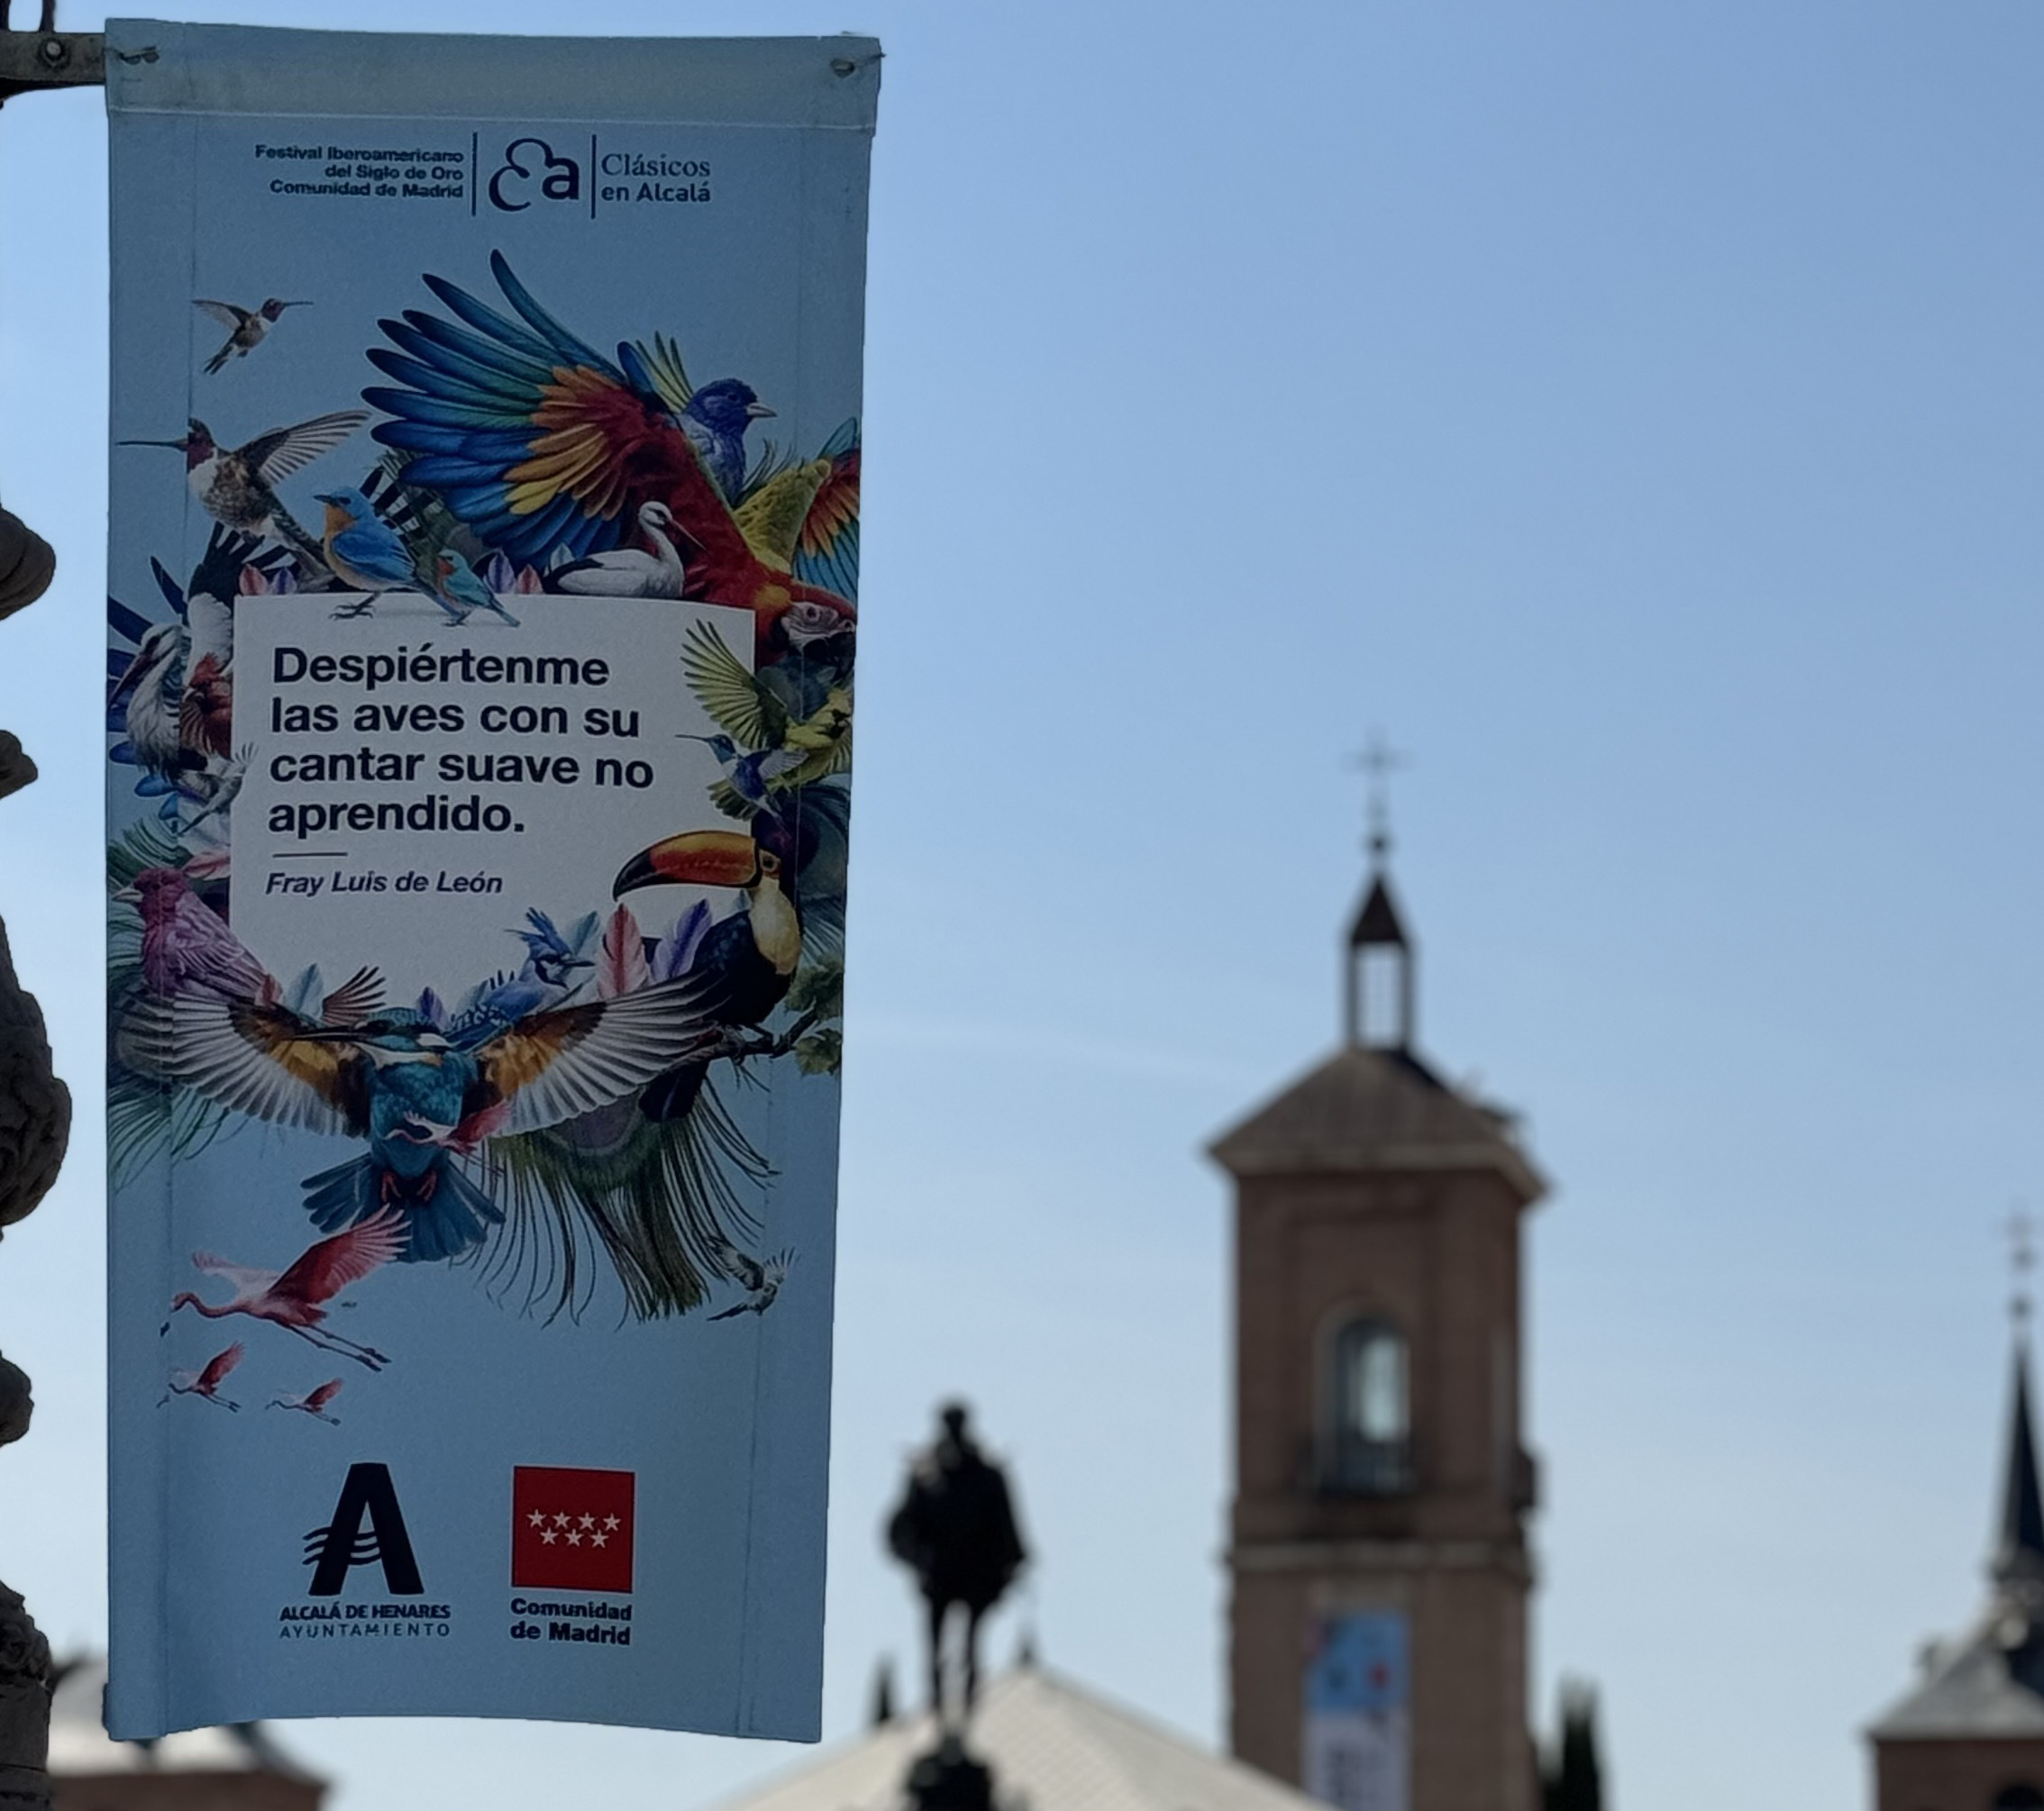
(483, 570)
(1358, 1720)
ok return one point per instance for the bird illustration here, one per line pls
(743, 966)
(145, 706)
(314, 1401)
(715, 418)
(171, 700)
(206, 1383)
(549, 977)
(246, 327)
(750, 774)
(744, 962)
(783, 726)
(760, 1280)
(296, 1298)
(539, 442)
(629, 571)
(363, 551)
(421, 1099)
(186, 946)
(237, 485)
(218, 786)
(461, 591)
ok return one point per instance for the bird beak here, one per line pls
(755, 412)
(129, 896)
(697, 857)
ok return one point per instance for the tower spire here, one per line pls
(2019, 1549)
(1379, 1002)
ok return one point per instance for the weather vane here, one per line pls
(2021, 1229)
(1379, 760)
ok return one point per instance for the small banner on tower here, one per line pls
(484, 567)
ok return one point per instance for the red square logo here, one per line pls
(571, 1530)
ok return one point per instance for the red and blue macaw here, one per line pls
(542, 446)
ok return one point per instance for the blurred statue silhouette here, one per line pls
(956, 1528)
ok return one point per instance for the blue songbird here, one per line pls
(714, 419)
(363, 552)
(461, 592)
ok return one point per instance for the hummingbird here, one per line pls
(246, 326)
(236, 486)
(459, 591)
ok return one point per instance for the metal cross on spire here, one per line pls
(1379, 761)
(2021, 1229)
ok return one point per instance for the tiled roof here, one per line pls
(1989, 1682)
(1366, 1109)
(79, 1744)
(1051, 1742)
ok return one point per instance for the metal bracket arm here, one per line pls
(51, 60)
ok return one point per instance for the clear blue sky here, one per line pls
(1635, 409)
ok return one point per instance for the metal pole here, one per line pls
(35, 1107)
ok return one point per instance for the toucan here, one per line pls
(744, 966)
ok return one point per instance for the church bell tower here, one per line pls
(1377, 1554)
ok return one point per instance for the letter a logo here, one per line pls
(333, 1549)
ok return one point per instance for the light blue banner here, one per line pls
(483, 581)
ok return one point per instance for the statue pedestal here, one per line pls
(947, 1779)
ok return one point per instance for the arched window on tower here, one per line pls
(1369, 1447)
(2022, 1796)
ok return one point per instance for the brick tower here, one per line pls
(1969, 1736)
(1378, 1561)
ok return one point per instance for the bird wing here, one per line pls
(218, 1366)
(538, 442)
(255, 1057)
(323, 1395)
(245, 1278)
(281, 451)
(376, 552)
(826, 550)
(772, 516)
(354, 999)
(324, 1269)
(551, 1065)
(734, 1264)
(658, 369)
(226, 313)
(729, 693)
(805, 520)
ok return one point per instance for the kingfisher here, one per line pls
(420, 1098)
(237, 485)
(363, 552)
(246, 326)
(459, 590)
